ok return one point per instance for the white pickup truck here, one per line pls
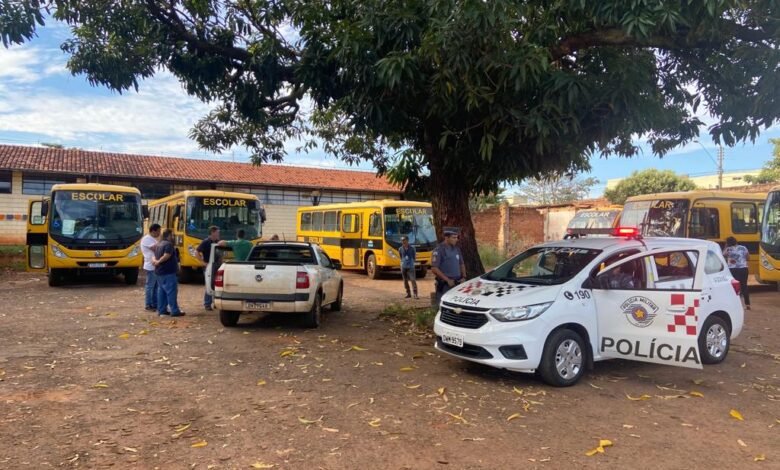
(278, 277)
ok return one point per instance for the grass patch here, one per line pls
(8, 250)
(13, 257)
(418, 317)
(490, 256)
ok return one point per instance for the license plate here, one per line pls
(97, 265)
(257, 305)
(453, 339)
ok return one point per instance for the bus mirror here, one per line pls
(145, 211)
(44, 208)
(261, 213)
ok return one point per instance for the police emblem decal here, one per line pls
(639, 311)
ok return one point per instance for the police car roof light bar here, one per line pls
(628, 232)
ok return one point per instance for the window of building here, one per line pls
(744, 217)
(153, 190)
(705, 223)
(6, 182)
(41, 184)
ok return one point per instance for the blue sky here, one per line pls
(40, 101)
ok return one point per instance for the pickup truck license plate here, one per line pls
(257, 305)
(453, 339)
(97, 265)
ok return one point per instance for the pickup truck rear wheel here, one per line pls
(229, 318)
(314, 317)
(336, 306)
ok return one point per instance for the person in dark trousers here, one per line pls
(447, 264)
(148, 242)
(408, 257)
(204, 253)
(737, 259)
(166, 263)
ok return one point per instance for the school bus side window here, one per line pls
(331, 221)
(36, 213)
(351, 223)
(705, 223)
(316, 221)
(744, 217)
(306, 221)
(375, 226)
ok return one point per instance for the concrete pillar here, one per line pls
(504, 230)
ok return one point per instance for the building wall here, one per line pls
(13, 213)
(510, 229)
(556, 221)
(281, 222)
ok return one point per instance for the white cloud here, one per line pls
(27, 64)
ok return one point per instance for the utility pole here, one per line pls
(720, 167)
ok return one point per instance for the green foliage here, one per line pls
(556, 189)
(481, 202)
(648, 181)
(491, 256)
(770, 173)
(419, 317)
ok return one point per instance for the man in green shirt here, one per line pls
(241, 247)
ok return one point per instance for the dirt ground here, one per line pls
(88, 379)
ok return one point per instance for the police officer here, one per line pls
(447, 264)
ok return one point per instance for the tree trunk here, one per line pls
(450, 200)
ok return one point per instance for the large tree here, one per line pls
(770, 173)
(650, 181)
(556, 188)
(455, 96)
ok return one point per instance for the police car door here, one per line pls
(647, 307)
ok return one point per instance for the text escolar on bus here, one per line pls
(593, 222)
(86, 228)
(366, 235)
(189, 214)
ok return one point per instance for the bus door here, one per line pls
(37, 236)
(705, 221)
(351, 238)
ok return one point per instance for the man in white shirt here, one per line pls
(148, 242)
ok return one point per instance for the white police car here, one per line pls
(558, 307)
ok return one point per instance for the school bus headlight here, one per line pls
(766, 263)
(391, 253)
(519, 313)
(134, 252)
(192, 251)
(57, 252)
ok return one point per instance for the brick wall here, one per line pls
(509, 228)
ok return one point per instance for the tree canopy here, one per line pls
(452, 97)
(556, 189)
(770, 173)
(648, 181)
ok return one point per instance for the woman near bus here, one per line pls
(737, 258)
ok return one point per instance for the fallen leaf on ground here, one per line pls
(412, 386)
(200, 443)
(736, 415)
(356, 348)
(514, 416)
(698, 381)
(130, 449)
(641, 397)
(124, 336)
(741, 442)
(594, 386)
(759, 458)
(309, 421)
(600, 449)
(518, 391)
(100, 385)
(182, 427)
(374, 423)
(330, 429)
(287, 352)
(261, 382)
(458, 417)
(407, 369)
(262, 465)
(441, 390)
(696, 394)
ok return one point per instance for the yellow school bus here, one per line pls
(82, 228)
(190, 214)
(709, 215)
(366, 235)
(769, 250)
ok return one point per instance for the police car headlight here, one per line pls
(57, 252)
(192, 251)
(391, 253)
(134, 252)
(766, 263)
(519, 313)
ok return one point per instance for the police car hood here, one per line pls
(496, 294)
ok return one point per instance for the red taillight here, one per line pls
(302, 280)
(219, 280)
(736, 286)
(569, 231)
(628, 232)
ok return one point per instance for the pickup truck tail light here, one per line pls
(736, 286)
(302, 280)
(219, 279)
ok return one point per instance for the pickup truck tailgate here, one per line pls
(259, 279)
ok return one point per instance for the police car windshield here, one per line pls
(227, 213)
(544, 265)
(96, 215)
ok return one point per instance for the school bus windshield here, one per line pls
(227, 213)
(770, 233)
(413, 222)
(96, 215)
(659, 218)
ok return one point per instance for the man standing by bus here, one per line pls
(166, 263)
(204, 253)
(408, 257)
(447, 264)
(148, 242)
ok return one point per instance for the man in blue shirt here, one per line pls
(447, 264)
(204, 253)
(408, 256)
(166, 263)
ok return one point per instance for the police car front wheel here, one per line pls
(563, 360)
